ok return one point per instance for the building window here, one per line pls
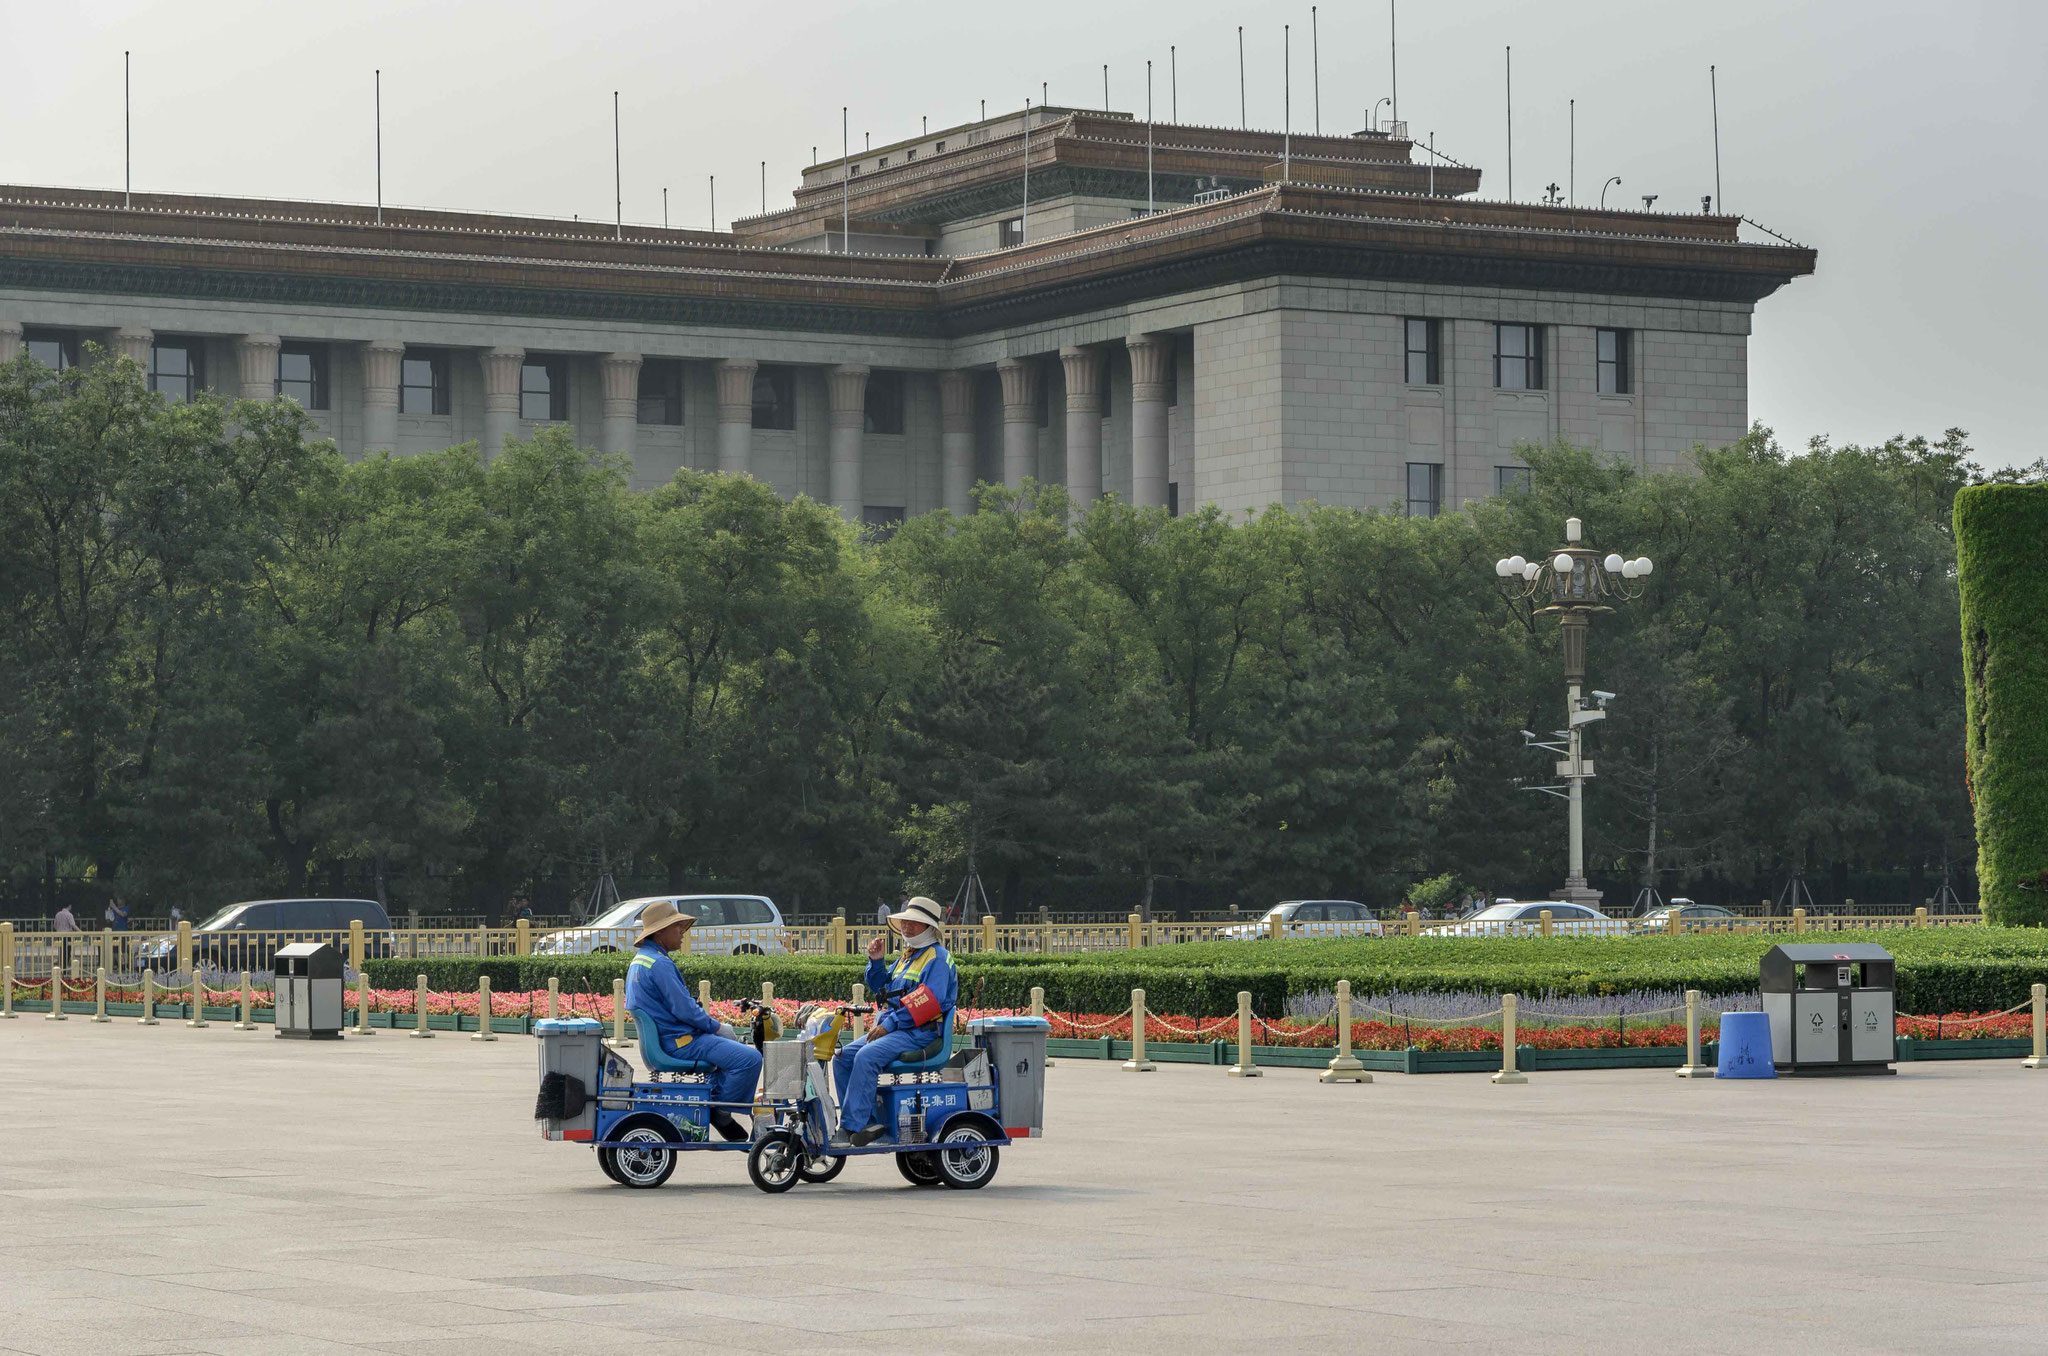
(884, 402)
(54, 349)
(774, 398)
(883, 163)
(1611, 350)
(1425, 489)
(1518, 357)
(1012, 233)
(1425, 350)
(177, 370)
(910, 155)
(302, 374)
(854, 170)
(423, 383)
(544, 389)
(879, 520)
(940, 147)
(1512, 479)
(661, 391)
(1173, 499)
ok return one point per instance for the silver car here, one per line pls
(1512, 919)
(1310, 918)
(737, 925)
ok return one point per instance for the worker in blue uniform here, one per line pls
(912, 997)
(655, 989)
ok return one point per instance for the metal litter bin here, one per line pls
(308, 984)
(1016, 1051)
(1831, 1008)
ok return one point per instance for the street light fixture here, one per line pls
(1603, 191)
(1376, 114)
(1579, 583)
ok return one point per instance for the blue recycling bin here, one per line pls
(1745, 1046)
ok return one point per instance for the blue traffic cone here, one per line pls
(1745, 1046)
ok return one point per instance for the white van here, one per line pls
(727, 925)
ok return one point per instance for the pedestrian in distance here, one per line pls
(117, 914)
(65, 923)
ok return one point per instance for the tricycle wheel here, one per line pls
(919, 1169)
(611, 1169)
(821, 1167)
(641, 1168)
(776, 1161)
(966, 1159)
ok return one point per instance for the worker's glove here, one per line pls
(725, 1030)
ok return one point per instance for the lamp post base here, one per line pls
(1576, 891)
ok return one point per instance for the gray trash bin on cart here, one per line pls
(1016, 1051)
(308, 983)
(573, 1048)
(1831, 1008)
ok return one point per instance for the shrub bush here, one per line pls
(1940, 970)
(2003, 583)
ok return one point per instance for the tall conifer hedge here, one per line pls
(2002, 564)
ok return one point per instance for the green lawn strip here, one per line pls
(1940, 970)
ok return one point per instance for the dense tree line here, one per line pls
(236, 663)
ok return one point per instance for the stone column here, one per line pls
(1020, 419)
(848, 387)
(1084, 425)
(256, 356)
(501, 397)
(381, 367)
(956, 442)
(735, 414)
(1150, 353)
(10, 340)
(621, 376)
(133, 341)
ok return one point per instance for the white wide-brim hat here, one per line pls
(918, 913)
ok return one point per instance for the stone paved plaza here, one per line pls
(170, 1190)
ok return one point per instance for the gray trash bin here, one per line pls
(1831, 1007)
(1016, 1051)
(308, 983)
(571, 1048)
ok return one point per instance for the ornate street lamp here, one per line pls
(1574, 582)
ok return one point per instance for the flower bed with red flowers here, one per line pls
(1968, 1026)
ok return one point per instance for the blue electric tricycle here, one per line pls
(952, 1110)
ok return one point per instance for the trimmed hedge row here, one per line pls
(2003, 586)
(1940, 970)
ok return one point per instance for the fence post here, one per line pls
(2039, 1059)
(420, 1032)
(1920, 918)
(1247, 1064)
(1692, 1068)
(148, 1017)
(483, 941)
(198, 999)
(768, 992)
(362, 1002)
(838, 943)
(356, 954)
(7, 947)
(7, 988)
(704, 994)
(184, 943)
(1671, 922)
(524, 929)
(56, 996)
(1799, 920)
(107, 950)
(1273, 925)
(1545, 924)
(1137, 1063)
(483, 1010)
(247, 1002)
(860, 994)
(1038, 1011)
(618, 1014)
(988, 932)
(554, 995)
(1508, 1073)
(1414, 923)
(1344, 1066)
(99, 995)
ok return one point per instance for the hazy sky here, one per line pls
(1905, 142)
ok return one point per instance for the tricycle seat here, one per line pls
(932, 1057)
(658, 1059)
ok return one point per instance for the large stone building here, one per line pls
(1177, 315)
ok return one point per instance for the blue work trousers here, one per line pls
(738, 1066)
(857, 1067)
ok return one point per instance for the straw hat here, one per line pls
(658, 916)
(918, 912)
